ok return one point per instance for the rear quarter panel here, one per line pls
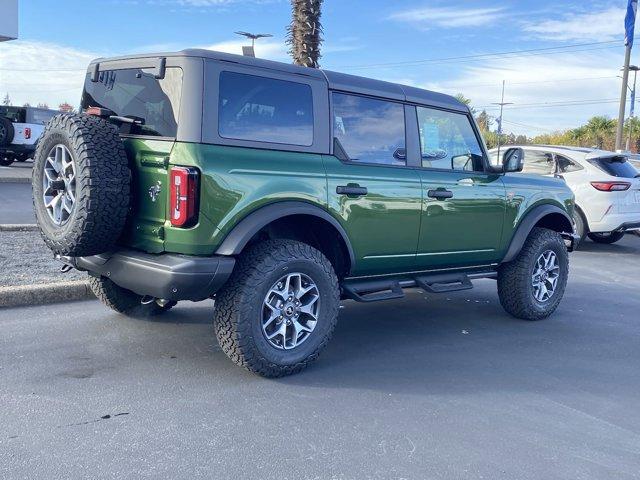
(236, 181)
(525, 192)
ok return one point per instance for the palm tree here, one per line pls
(598, 129)
(305, 32)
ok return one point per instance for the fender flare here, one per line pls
(237, 239)
(527, 224)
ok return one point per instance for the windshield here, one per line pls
(615, 166)
(135, 92)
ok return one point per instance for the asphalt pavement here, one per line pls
(16, 205)
(431, 387)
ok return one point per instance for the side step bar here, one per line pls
(368, 290)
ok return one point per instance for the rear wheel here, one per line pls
(5, 160)
(606, 237)
(125, 301)
(279, 308)
(581, 226)
(531, 286)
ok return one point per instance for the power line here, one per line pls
(487, 55)
(537, 82)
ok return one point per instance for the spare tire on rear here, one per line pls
(6, 131)
(81, 180)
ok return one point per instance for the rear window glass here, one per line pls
(15, 114)
(135, 92)
(615, 166)
(264, 109)
(40, 116)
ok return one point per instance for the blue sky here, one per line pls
(406, 41)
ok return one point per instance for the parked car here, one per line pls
(606, 186)
(20, 129)
(279, 190)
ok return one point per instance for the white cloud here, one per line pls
(600, 26)
(450, 17)
(541, 80)
(269, 49)
(38, 72)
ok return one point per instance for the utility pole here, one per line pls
(502, 104)
(634, 69)
(629, 28)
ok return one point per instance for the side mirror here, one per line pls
(513, 160)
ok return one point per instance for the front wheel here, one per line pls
(531, 286)
(279, 308)
(606, 237)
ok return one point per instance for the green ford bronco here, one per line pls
(279, 190)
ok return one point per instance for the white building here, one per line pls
(8, 20)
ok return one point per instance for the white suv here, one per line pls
(606, 186)
(20, 129)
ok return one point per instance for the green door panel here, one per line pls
(463, 230)
(149, 159)
(382, 225)
(235, 181)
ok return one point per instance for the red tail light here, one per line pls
(183, 196)
(27, 133)
(611, 186)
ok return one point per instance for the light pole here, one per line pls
(502, 103)
(250, 51)
(634, 69)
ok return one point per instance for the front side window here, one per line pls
(369, 130)
(136, 92)
(540, 163)
(448, 141)
(264, 109)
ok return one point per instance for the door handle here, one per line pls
(440, 194)
(351, 190)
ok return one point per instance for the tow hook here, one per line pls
(65, 268)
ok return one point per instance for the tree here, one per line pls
(43, 105)
(27, 104)
(467, 101)
(484, 121)
(305, 32)
(66, 107)
(7, 100)
(600, 131)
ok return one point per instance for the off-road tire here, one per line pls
(6, 131)
(514, 278)
(124, 301)
(102, 185)
(238, 307)
(606, 238)
(581, 226)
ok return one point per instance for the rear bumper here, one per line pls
(166, 276)
(616, 223)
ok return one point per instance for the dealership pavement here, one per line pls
(435, 387)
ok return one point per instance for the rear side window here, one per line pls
(135, 92)
(447, 141)
(540, 163)
(370, 130)
(615, 166)
(265, 109)
(565, 165)
(40, 116)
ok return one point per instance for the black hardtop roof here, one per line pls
(335, 80)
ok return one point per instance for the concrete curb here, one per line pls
(18, 227)
(24, 295)
(15, 180)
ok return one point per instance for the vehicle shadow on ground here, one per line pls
(592, 247)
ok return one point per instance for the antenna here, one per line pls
(250, 51)
(502, 104)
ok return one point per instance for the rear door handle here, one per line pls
(351, 190)
(440, 194)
